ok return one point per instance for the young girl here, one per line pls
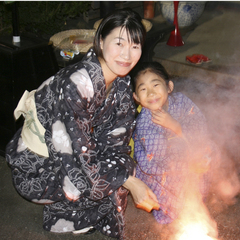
(171, 143)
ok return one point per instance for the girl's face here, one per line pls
(119, 55)
(151, 91)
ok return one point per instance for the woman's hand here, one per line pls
(143, 196)
(163, 118)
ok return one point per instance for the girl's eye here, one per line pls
(156, 85)
(143, 89)
(119, 44)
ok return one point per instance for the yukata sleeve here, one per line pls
(195, 130)
(94, 164)
(192, 121)
(150, 145)
(113, 137)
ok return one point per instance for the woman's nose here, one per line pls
(125, 54)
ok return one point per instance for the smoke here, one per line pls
(220, 105)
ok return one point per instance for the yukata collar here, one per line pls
(94, 69)
(93, 66)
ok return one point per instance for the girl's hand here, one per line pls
(142, 195)
(164, 119)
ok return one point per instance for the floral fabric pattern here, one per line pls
(87, 137)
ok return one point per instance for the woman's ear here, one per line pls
(170, 86)
(101, 43)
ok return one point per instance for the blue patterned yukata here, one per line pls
(163, 158)
(87, 135)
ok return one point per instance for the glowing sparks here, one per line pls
(164, 178)
(195, 220)
(191, 111)
(195, 231)
(150, 156)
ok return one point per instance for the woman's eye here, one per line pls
(136, 47)
(143, 89)
(119, 44)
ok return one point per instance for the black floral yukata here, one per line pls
(87, 138)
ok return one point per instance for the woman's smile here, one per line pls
(123, 64)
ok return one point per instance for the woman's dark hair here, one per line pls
(124, 18)
(154, 67)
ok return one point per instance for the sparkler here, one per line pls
(195, 231)
(195, 220)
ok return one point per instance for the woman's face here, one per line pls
(151, 91)
(119, 55)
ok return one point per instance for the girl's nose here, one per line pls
(150, 92)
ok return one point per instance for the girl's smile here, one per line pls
(152, 91)
(153, 101)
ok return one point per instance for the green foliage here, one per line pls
(42, 17)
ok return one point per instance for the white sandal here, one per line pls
(84, 230)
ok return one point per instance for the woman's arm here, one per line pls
(143, 196)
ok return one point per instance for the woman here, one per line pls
(72, 153)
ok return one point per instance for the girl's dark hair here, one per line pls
(124, 18)
(154, 67)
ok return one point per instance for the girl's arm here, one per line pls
(164, 119)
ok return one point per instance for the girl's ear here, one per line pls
(170, 86)
(135, 97)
